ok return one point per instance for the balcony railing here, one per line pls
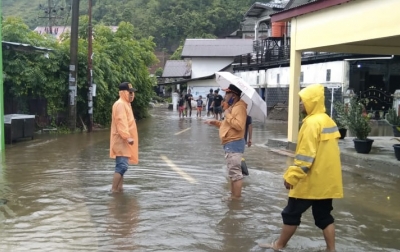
(276, 50)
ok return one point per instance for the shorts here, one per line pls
(321, 210)
(199, 109)
(121, 165)
(234, 165)
(210, 109)
(218, 110)
(181, 108)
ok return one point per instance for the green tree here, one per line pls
(167, 21)
(118, 57)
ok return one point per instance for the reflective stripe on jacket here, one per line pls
(123, 126)
(317, 171)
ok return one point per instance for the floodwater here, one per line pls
(54, 196)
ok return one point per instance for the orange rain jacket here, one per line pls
(123, 126)
(233, 126)
(316, 172)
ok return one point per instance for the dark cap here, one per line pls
(232, 88)
(126, 86)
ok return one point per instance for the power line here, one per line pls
(53, 12)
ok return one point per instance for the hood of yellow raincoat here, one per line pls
(313, 99)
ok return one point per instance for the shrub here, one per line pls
(357, 118)
(392, 117)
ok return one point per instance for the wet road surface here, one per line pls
(54, 196)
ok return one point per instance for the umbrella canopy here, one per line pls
(256, 106)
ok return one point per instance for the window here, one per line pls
(328, 74)
(301, 77)
(278, 79)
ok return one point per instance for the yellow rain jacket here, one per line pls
(233, 126)
(317, 171)
(123, 126)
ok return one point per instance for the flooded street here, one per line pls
(54, 196)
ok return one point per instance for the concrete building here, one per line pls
(315, 26)
(205, 57)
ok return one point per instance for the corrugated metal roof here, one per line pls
(177, 68)
(258, 8)
(301, 7)
(297, 3)
(24, 47)
(217, 47)
(182, 81)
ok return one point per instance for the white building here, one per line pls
(205, 57)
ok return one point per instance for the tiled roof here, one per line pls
(58, 30)
(216, 47)
(177, 68)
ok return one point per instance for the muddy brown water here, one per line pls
(54, 196)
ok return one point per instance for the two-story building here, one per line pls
(375, 77)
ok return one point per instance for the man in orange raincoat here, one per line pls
(124, 137)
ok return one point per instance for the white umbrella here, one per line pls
(256, 106)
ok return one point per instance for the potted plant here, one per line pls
(340, 118)
(393, 119)
(397, 149)
(358, 123)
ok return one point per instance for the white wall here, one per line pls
(202, 87)
(202, 67)
(313, 73)
(251, 77)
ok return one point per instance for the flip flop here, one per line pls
(270, 246)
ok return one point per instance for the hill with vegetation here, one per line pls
(168, 21)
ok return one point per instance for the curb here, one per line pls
(381, 160)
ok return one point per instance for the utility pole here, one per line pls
(52, 12)
(50, 18)
(73, 66)
(90, 69)
(2, 138)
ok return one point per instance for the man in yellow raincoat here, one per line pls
(315, 178)
(231, 133)
(124, 137)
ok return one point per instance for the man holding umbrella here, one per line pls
(231, 132)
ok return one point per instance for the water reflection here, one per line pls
(122, 221)
(232, 228)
